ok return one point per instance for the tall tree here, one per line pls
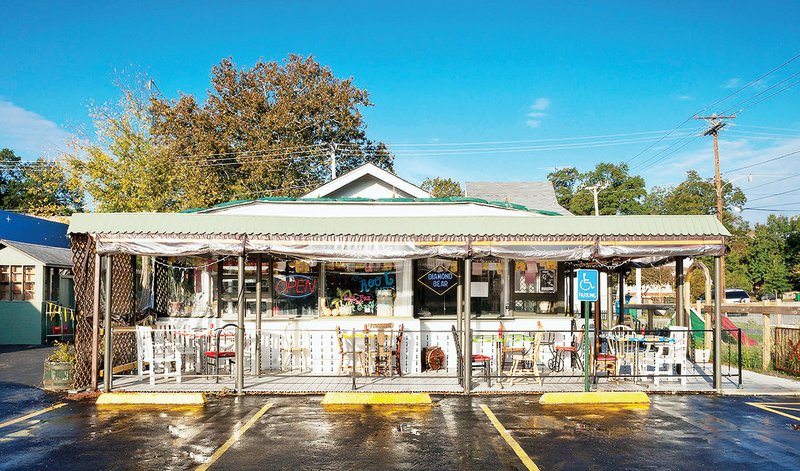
(10, 179)
(266, 130)
(697, 195)
(442, 187)
(624, 194)
(122, 168)
(766, 257)
(39, 187)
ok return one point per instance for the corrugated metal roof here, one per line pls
(52, 256)
(564, 226)
(539, 195)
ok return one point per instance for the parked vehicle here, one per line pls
(768, 297)
(732, 295)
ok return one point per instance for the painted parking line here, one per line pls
(779, 407)
(526, 460)
(234, 438)
(32, 415)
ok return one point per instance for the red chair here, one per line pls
(226, 353)
(478, 361)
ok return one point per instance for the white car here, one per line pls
(732, 296)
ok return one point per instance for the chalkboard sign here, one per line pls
(439, 280)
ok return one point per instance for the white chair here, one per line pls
(295, 349)
(671, 359)
(156, 350)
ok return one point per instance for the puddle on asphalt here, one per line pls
(407, 428)
(795, 427)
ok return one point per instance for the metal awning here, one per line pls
(383, 238)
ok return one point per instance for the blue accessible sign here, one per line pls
(588, 286)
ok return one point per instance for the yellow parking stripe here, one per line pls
(236, 436)
(526, 460)
(32, 414)
(767, 406)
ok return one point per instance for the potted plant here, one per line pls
(59, 368)
(341, 305)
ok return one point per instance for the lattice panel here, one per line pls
(123, 294)
(83, 260)
(161, 288)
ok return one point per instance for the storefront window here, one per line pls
(296, 284)
(535, 286)
(436, 283)
(487, 287)
(230, 286)
(355, 288)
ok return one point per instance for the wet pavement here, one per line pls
(675, 432)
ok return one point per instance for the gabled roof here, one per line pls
(367, 170)
(539, 195)
(32, 230)
(47, 255)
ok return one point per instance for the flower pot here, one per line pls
(58, 376)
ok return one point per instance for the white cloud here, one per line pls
(732, 82)
(29, 134)
(537, 112)
(540, 104)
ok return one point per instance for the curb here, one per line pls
(633, 397)
(176, 399)
(363, 398)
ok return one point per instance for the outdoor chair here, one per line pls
(294, 349)
(574, 349)
(397, 351)
(531, 355)
(222, 348)
(607, 361)
(153, 351)
(505, 348)
(477, 361)
(349, 355)
(671, 361)
(380, 349)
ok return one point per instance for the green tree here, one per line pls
(40, 187)
(565, 182)
(697, 195)
(766, 260)
(624, 194)
(442, 187)
(122, 168)
(265, 130)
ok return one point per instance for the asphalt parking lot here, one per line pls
(285, 432)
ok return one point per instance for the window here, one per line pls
(487, 286)
(5, 283)
(360, 288)
(29, 277)
(535, 286)
(296, 285)
(436, 283)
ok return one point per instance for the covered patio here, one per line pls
(280, 345)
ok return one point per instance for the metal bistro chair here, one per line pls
(575, 349)
(398, 348)
(225, 351)
(477, 361)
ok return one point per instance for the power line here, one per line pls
(774, 194)
(763, 162)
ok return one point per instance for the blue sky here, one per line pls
(443, 73)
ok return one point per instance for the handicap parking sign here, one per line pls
(587, 282)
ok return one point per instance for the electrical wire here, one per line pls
(762, 162)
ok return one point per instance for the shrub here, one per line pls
(62, 353)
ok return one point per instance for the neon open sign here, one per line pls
(296, 286)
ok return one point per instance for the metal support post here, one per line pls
(680, 311)
(586, 356)
(353, 359)
(96, 322)
(108, 355)
(240, 330)
(259, 313)
(467, 327)
(621, 275)
(718, 296)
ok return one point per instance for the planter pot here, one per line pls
(58, 376)
(702, 355)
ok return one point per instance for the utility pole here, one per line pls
(333, 160)
(715, 123)
(596, 189)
